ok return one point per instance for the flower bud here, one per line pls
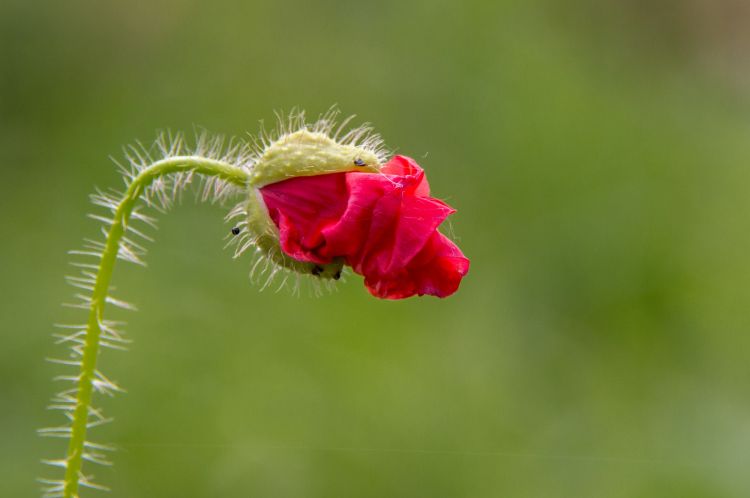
(301, 153)
(308, 153)
(316, 204)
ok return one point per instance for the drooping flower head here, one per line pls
(318, 203)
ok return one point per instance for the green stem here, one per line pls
(204, 166)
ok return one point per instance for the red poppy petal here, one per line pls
(440, 266)
(302, 207)
(436, 271)
(349, 234)
(410, 173)
(401, 227)
(383, 224)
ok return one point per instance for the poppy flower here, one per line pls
(383, 224)
(320, 198)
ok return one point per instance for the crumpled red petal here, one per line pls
(383, 224)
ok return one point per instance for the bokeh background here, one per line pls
(598, 153)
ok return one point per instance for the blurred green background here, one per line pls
(597, 153)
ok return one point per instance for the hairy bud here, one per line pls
(302, 152)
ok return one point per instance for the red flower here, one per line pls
(384, 225)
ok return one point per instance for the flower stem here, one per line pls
(204, 166)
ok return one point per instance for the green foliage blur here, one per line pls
(598, 153)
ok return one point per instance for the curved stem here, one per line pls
(201, 165)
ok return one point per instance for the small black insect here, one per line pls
(236, 231)
(359, 162)
(337, 275)
(317, 270)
